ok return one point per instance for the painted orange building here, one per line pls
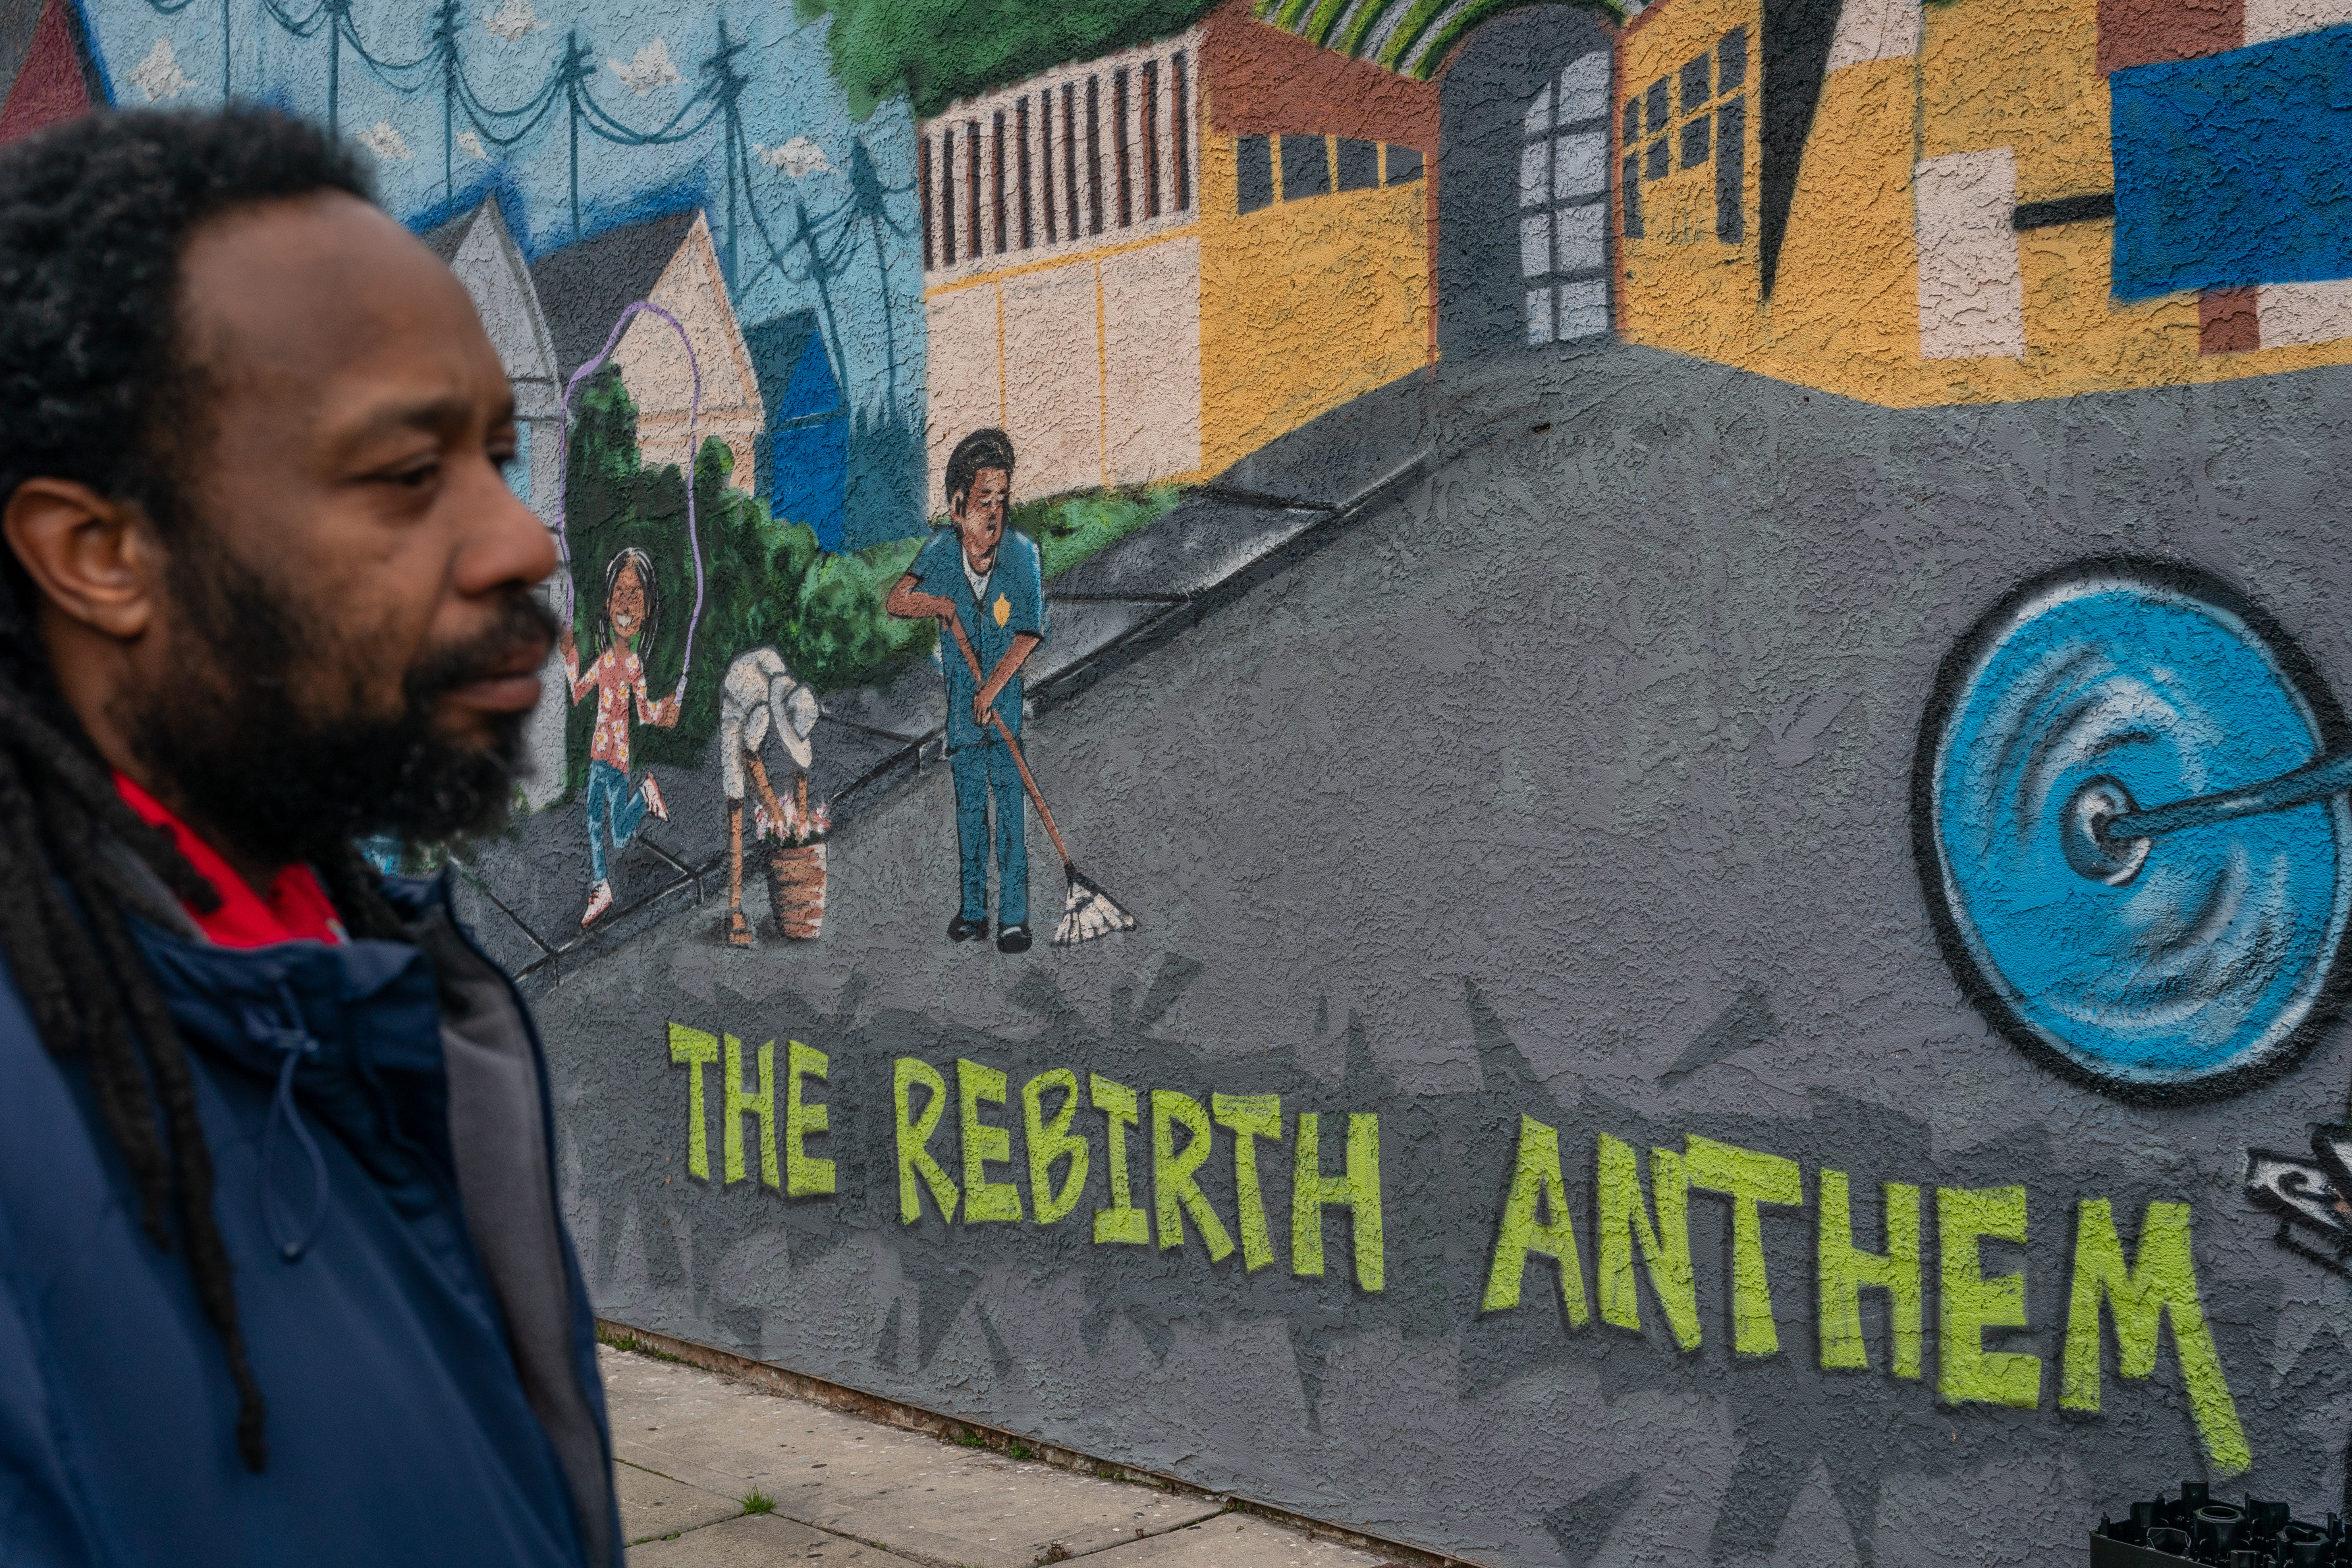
(1919, 206)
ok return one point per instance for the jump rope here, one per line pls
(693, 422)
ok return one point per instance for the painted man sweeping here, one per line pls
(989, 591)
(987, 588)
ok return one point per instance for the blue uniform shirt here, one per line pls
(1013, 601)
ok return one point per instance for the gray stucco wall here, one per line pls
(1573, 784)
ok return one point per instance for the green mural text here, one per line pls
(1183, 1141)
(2162, 1286)
(1537, 1182)
(1845, 1271)
(801, 1173)
(1624, 1221)
(1536, 1222)
(1033, 1165)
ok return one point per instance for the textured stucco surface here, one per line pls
(1574, 785)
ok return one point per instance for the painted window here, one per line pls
(1308, 165)
(1125, 157)
(1695, 118)
(1305, 167)
(1149, 104)
(1564, 203)
(1254, 173)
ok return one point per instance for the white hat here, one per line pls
(796, 712)
(758, 689)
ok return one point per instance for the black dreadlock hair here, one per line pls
(95, 216)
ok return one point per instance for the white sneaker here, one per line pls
(654, 802)
(598, 903)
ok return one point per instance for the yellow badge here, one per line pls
(1004, 610)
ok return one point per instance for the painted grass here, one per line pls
(1069, 529)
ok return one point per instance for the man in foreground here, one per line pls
(282, 1278)
(988, 590)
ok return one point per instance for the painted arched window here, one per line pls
(1564, 203)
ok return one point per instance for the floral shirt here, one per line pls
(614, 677)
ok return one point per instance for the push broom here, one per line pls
(1088, 911)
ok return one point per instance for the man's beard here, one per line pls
(234, 744)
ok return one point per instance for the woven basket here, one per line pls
(796, 890)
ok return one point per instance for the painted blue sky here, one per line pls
(647, 75)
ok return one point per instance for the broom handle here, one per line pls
(955, 625)
(1030, 784)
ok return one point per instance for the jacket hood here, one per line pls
(350, 1031)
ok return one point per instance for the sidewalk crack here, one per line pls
(1148, 1534)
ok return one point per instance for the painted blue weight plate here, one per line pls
(2214, 959)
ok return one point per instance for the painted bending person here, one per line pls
(632, 614)
(761, 696)
(987, 588)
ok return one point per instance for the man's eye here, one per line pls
(413, 478)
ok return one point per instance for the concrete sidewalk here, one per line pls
(698, 1453)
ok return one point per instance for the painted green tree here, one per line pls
(937, 51)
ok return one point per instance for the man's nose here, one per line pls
(506, 543)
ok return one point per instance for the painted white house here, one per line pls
(669, 262)
(483, 254)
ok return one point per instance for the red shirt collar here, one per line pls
(295, 909)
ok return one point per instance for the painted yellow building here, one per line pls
(1149, 265)
(1949, 235)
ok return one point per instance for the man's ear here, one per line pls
(96, 559)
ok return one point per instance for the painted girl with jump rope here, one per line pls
(630, 617)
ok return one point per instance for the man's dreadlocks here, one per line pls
(96, 377)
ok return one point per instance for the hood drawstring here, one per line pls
(297, 1043)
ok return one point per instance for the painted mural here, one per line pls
(1704, 644)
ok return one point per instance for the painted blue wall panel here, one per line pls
(813, 477)
(812, 389)
(2235, 168)
(804, 461)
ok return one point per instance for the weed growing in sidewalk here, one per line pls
(757, 1501)
(633, 1345)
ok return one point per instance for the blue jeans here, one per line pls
(981, 771)
(609, 798)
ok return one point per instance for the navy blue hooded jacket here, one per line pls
(410, 1300)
